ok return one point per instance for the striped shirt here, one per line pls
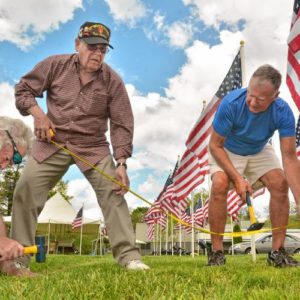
(79, 112)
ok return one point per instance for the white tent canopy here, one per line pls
(59, 211)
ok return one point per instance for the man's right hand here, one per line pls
(242, 186)
(10, 249)
(42, 124)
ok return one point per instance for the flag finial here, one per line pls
(203, 105)
(242, 43)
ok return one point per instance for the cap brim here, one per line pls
(96, 40)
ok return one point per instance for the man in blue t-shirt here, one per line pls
(241, 157)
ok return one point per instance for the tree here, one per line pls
(62, 188)
(137, 215)
(203, 194)
(8, 182)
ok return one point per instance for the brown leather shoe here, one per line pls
(13, 268)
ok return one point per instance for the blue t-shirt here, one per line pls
(246, 132)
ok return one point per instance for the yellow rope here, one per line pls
(231, 234)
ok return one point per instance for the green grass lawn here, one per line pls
(90, 277)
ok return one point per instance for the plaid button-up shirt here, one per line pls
(79, 112)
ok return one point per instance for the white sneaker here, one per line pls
(136, 265)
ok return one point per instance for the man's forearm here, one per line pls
(36, 111)
(292, 171)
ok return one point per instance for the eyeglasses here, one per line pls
(17, 157)
(95, 47)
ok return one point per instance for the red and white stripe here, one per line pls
(194, 163)
(150, 231)
(293, 66)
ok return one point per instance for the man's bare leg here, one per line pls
(277, 185)
(217, 208)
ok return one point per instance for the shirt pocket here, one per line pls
(96, 104)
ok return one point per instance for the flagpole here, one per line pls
(184, 238)
(192, 217)
(80, 247)
(160, 233)
(202, 234)
(180, 234)
(167, 229)
(100, 239)
(232, 240)
(172, 236)
(242, 53)
(157, 241)
(154, 240)
(48, 237)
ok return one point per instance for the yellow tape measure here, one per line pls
(231, 234)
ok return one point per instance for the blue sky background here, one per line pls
(172, 55)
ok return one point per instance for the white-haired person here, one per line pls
(15, 143)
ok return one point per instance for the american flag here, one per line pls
(155, 213)
(195, 217)
(198, 213)
(150, 231)
(298, 138)
(169, 200)
(293, 66)
(187, 218)
(77, 222)
(234, 204)
(194, 163)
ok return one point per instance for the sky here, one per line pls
(171, 55)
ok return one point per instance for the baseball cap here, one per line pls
(94, 33)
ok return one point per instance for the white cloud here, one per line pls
(159, 20)
(127, 11)
(83, 193)
(150, 186)
(214, 13)
(7, 104)
(180, 34)
(162, 124)
(25, 22)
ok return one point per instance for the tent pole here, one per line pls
(48, 237)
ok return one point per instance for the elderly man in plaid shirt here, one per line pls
(83, 95)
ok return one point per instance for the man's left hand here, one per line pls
(10, 249)
(121, 175)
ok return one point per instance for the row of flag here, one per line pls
(191, 170)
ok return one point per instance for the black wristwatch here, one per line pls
(122, 164)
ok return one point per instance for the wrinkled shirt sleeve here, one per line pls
(32, 85)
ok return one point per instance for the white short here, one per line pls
(252, 167)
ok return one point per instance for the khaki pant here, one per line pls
(252, 167)
(31, 195)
